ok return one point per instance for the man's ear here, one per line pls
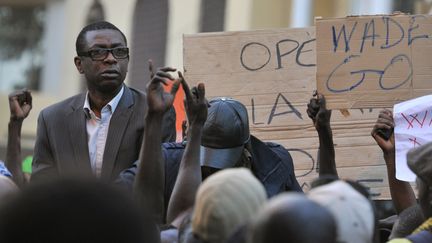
(78, 64)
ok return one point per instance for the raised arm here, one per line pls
(401, 191)
(320, 116)
(149, 181)
(189, 175)
(20, 104)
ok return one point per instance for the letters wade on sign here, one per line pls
(373, 61)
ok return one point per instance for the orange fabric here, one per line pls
(179, 109)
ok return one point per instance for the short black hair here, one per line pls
(293, 218)
(101, 25)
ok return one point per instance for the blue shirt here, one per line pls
(3, 170)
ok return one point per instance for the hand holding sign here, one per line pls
(384, 126)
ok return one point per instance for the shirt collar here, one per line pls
(112, 104)
(115, 101)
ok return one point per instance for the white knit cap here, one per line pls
(226, 200)
(352, 211)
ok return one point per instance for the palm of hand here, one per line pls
(196, 112)
(159, 100)
(195, 103)
(19, 111)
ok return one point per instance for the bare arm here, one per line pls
(20, 104)
(320, 116)
(150, 179)
(189, 175)
(401, 191)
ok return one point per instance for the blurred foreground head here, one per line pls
(224, 202)
(353, 212)
(292, 217)
(72, 211)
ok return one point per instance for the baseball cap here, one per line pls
(225, 133)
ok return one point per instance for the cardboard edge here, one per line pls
(394, 14)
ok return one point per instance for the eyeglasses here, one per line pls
(100, 54)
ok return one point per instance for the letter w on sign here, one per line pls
(413, 120)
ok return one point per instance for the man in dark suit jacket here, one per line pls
(99, 132)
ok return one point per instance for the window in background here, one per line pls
(21, 52)
(405, 6)
(212, 15)
(149, 38)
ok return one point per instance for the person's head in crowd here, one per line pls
(102, 57)
(292, 217)
(225, 136)
(407, 222)
(225, 201)
(420, 162)
(352, 210)
(70, 210)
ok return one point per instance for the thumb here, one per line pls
(379, 140)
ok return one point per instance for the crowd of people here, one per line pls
(105, 169)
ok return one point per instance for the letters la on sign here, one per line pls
(373, 61)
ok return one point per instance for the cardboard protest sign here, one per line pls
(373, 61)
(413, 120)
(272, 72)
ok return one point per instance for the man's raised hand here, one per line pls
(195, 103)
(160, 101)
(20, 104)
(384, 122)
(318, 112)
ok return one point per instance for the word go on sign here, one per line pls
(373, 61)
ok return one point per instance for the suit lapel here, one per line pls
(78, 134)
(118, 123)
